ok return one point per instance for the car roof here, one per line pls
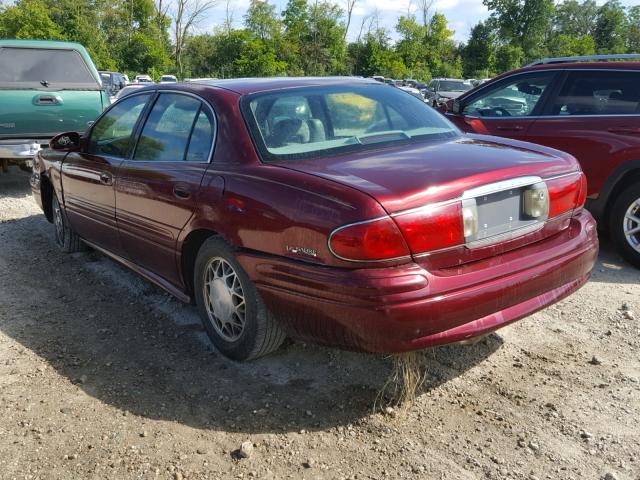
(245, 86)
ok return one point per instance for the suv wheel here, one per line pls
(66, 239)
(232, 312)
(625, 224)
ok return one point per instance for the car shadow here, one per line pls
(129, 345)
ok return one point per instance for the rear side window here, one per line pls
(111, 135)
(599, 93)
(44, 68)
(167, 133)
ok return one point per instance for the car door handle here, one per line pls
(626, 130)
(181, 191)
(106, 178)
(510, 128)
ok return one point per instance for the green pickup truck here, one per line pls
(46, 88)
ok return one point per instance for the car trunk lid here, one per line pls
(432, 182)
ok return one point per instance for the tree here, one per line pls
(523, 23)
(186, 15)
(576, 19)
(508, 57)
(28, 19)
(478, 55)
(633, 30)
(261, 20)
(609, 32)
(442, 59)
(562, 45)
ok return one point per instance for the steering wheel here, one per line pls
(502, 111)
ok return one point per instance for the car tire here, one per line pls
(232, 311)
(67, 240)
(624, 220)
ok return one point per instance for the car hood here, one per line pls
(408, 176)
(450, 94)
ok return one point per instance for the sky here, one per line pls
(461, 14)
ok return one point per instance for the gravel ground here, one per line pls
(102, 375)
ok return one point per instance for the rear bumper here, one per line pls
(407, 307)
(19, 149)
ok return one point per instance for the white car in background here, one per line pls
(168, 79)
(143, 79)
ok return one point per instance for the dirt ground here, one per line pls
(102, 375)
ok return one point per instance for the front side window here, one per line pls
(168, 131)
(315, 121)
(111, 135)
(599, 93)
(517, 97)
(44, 68)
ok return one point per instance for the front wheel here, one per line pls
(232, 312)
(67, 240)
(624, 225)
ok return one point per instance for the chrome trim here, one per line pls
(383, 217)
(500, 186)
(153, 91)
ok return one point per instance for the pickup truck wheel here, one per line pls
(66, 239)
(624, 225)
(232, 312)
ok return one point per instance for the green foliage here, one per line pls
(610, 28)
(309, 38)
(479, 54)
(28, 19)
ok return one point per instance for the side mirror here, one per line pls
(456, 107)
(66, 142)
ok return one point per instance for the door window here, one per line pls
(111, 135)
(599, 93)
(168, 129)
(517, 97)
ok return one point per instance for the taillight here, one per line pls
(582, 196)
(434, 227)
(374, 240)
(564, 193)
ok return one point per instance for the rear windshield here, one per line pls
(454, 86)
(44, 68)
(310, 122)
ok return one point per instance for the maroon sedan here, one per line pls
(335, 210)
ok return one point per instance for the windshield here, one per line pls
(44, 68)
(312, 122)
(454, 86)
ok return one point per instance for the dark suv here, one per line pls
(587, 106)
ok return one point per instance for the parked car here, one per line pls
(412, 91)
(113, 82)
(587, 106)
(340, 211)
(168, 79)
(46, 87)
(143, 79)
(439, 90)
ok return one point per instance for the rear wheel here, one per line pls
(232, 312)
(66, 239)
(624, 225)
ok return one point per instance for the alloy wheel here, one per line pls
(58, 222)
(631, 225)
(224, 299)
